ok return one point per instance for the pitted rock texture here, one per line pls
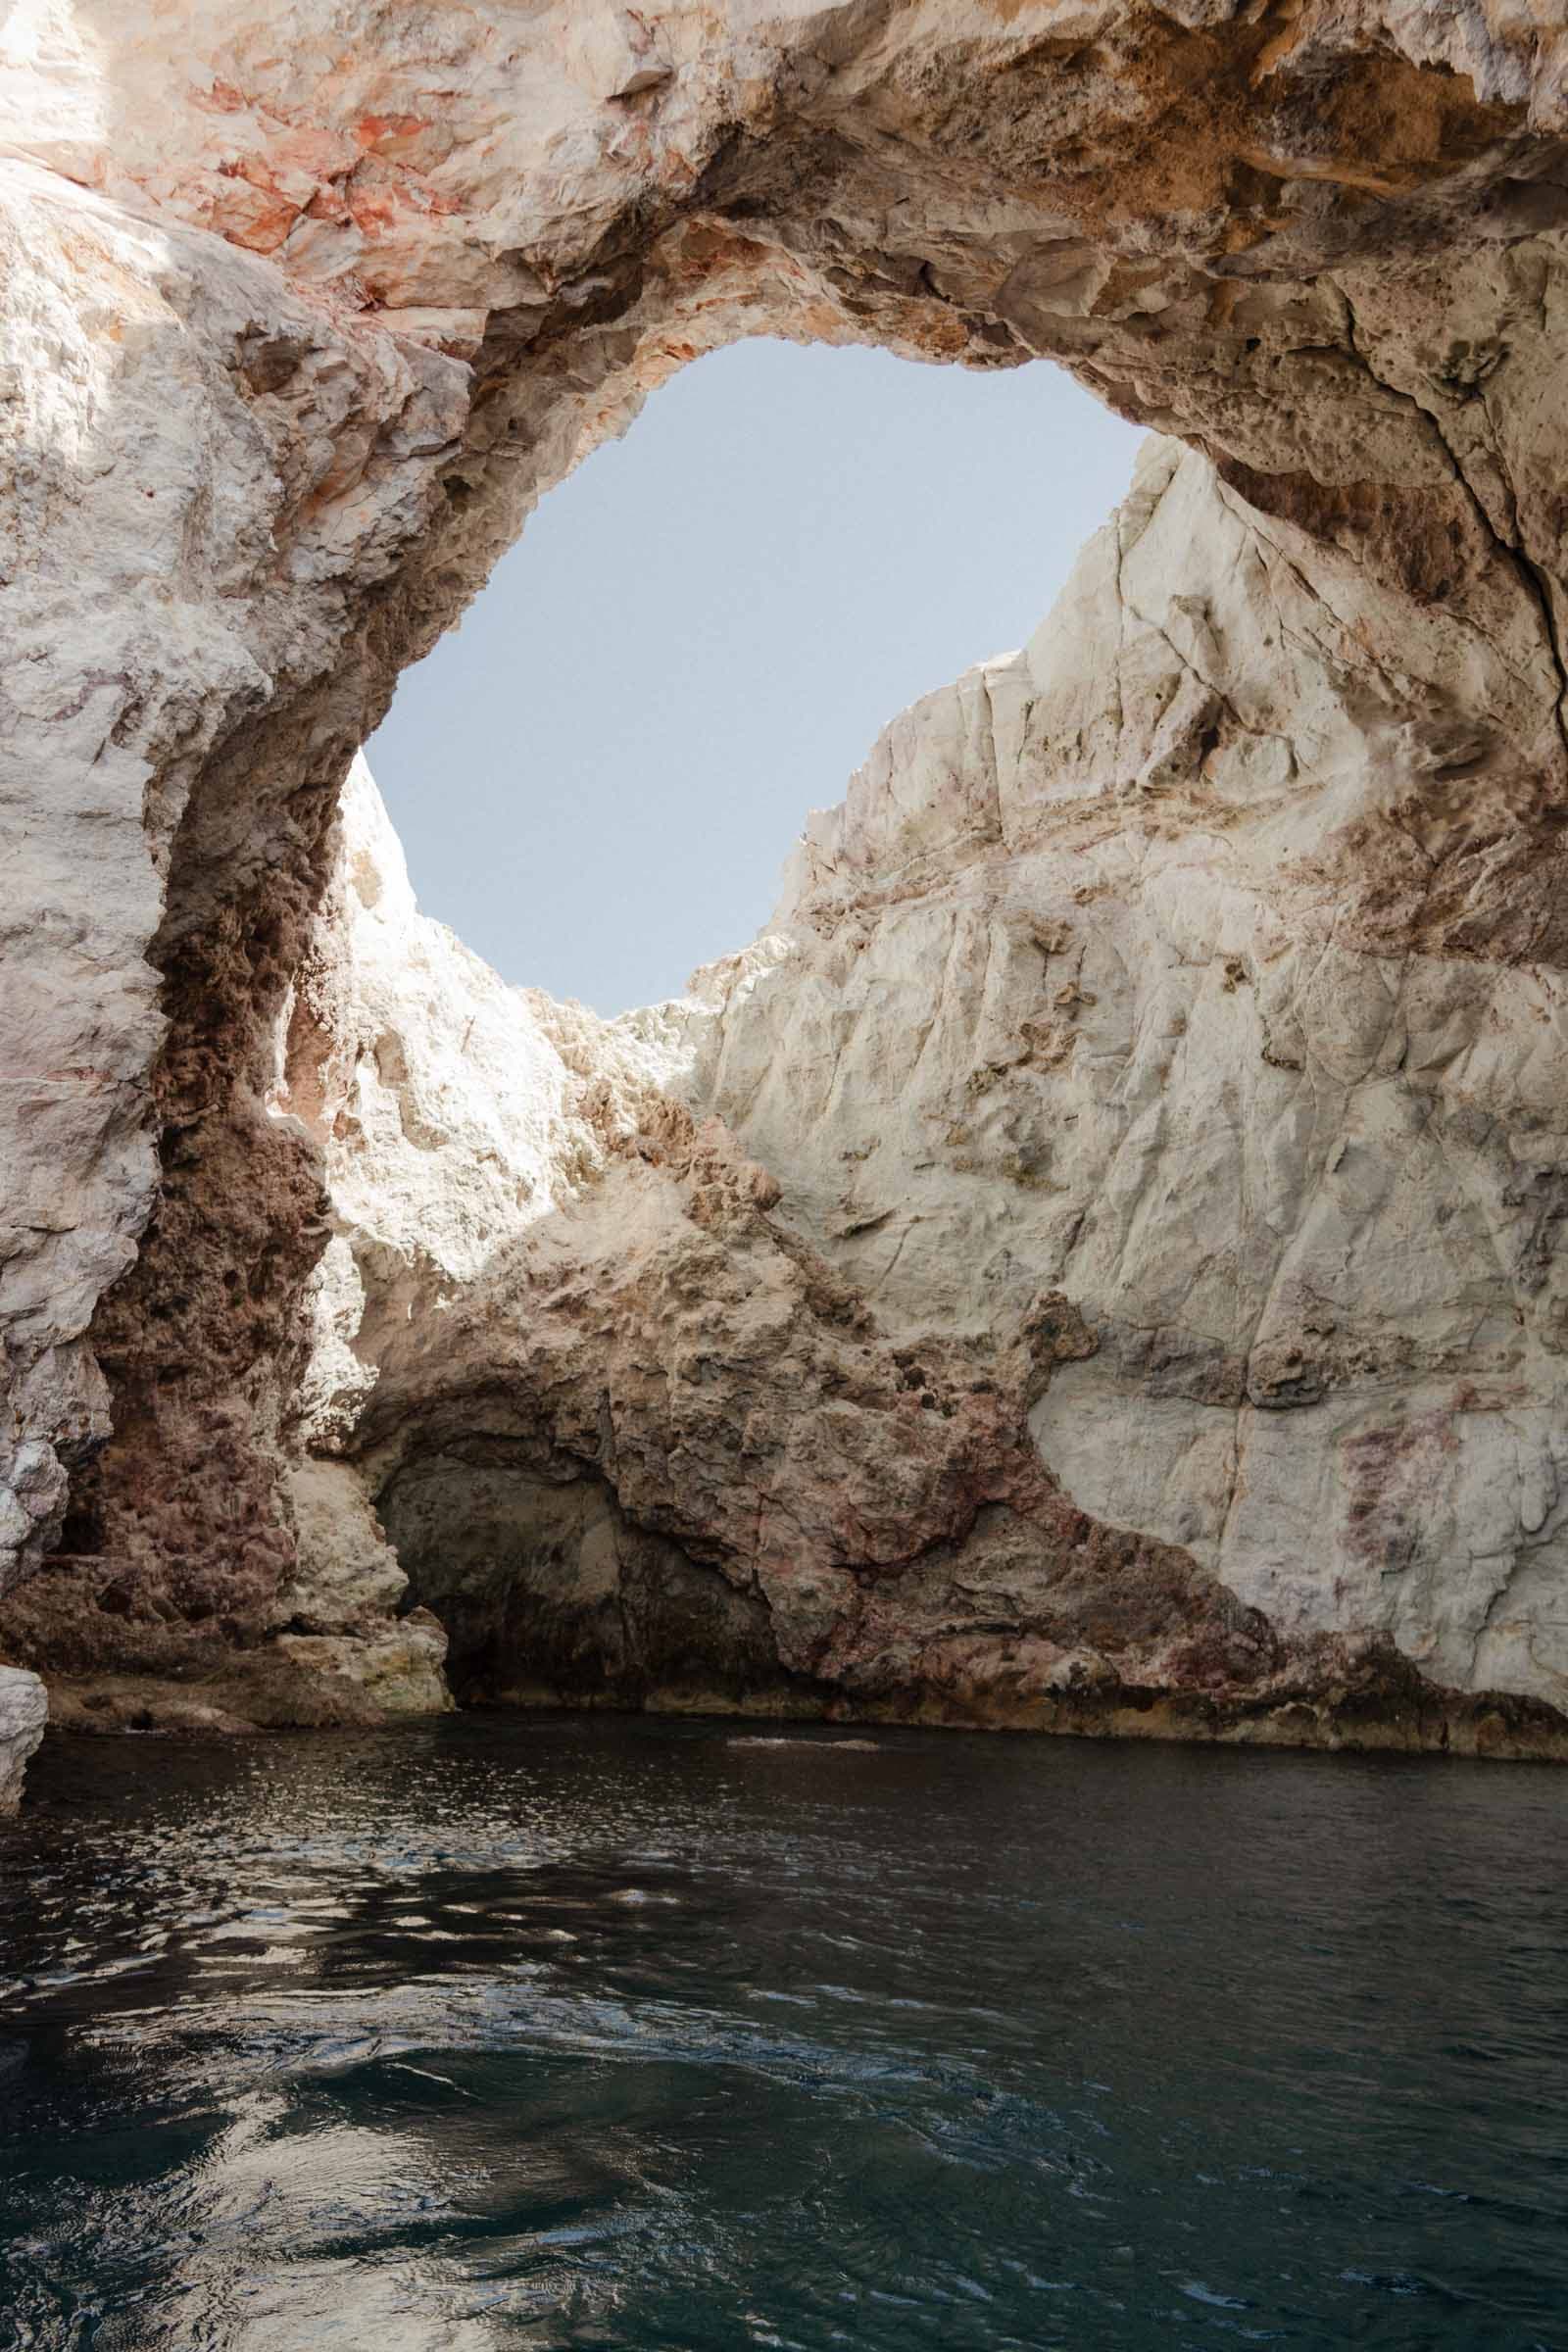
(306, 307)
(1075, 1091)
(633, 1436)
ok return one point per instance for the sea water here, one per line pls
(587, 2031)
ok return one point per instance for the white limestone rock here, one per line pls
(306, 305)
(348, 1576)
(23, 1713)
(1087, 994)
(1087, 990)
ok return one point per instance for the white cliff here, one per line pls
(1162, 1047)
(1186, 964)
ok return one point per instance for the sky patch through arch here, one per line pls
(598, 776)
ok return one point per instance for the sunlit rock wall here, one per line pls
(1203, 963)
(1120, 1072)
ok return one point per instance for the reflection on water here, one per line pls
(578, 2031)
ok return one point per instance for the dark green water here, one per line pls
(577, 2032)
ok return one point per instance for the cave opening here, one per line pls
(701, 634)
(597, 774)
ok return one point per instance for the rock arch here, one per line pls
(304, 315)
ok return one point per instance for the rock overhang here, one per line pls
(337, 307)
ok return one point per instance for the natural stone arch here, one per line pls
(302, 327)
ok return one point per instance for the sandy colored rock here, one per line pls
(304, 310)
(1073, 1093)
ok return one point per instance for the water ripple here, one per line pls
(586, 2033)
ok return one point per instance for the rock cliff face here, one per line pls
(1080, 1095)
(1098, 1262)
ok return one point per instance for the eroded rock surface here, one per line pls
(302, 312)
(1078, 1093)
(24, 1710)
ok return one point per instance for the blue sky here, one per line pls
(598, 776)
